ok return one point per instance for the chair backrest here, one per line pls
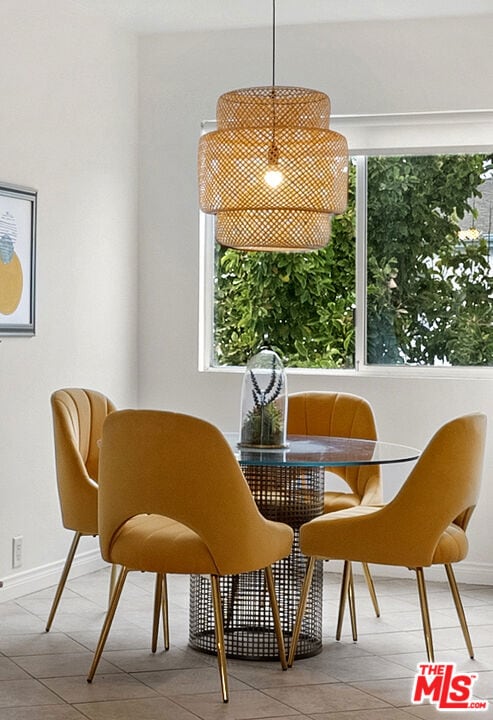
(78, 417)
(181, 467)
(339, 415)
(442, 488)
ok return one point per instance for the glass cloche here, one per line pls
(264, 401)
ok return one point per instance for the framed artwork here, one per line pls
(17, 259)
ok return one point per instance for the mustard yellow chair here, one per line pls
(173, 499)
(425, 524)
(341, 415)
(78, 417)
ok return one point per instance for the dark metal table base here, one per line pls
(292, 495)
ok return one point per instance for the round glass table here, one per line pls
(288, 486)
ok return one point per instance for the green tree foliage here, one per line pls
(304, 302)
(429, 294)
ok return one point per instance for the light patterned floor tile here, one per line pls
(76, 689)
(11, 671)
(430, 712)
(483, 687)
(394, 691)
(483, 659)
(263, 675)
(134, 661)
(41, 712)
(187, 681)
(129, 638)
(20, 622)
(15, 693)
(387, 643)
(243, 705)
(146, 709)
(366, 668)
(380, 714)
(322, 698)
(38, 644)
(62, 665)
(451, 638)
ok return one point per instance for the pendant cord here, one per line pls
(273, 151)
(273, 43)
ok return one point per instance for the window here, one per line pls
(304, 302)
(429, 275)
(409, 261)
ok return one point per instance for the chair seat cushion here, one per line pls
(361, 534)
(155, 543)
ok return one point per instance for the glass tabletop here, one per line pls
(322, 451)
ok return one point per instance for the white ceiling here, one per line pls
(148, 16)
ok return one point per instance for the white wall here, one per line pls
(371, 68)
(68, 127)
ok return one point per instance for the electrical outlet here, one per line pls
(17, 551)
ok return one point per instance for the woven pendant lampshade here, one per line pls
(273, 172)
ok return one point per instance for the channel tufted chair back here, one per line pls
(78, 417)
(342, 415)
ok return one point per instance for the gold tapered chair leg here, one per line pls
(63, 579)
(164, 611)
(276, 617)
(425, 614)
(460, 608)
(346, 578)
(158, 596)
(371, 588)
(160, 608)
(107, 622)
(352, 604)
(219, 629)
(301, 610)
(113, 578)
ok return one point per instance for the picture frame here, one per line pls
(18, 207)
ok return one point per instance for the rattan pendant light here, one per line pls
(273, 173)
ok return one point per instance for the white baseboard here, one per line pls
(29, 581)
(469, 573)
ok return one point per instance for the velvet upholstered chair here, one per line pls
(341, 415)
(425, 524)
(173, 499)
(78, 417)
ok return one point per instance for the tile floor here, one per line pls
(42, 675)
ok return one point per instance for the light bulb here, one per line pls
(273, 176)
